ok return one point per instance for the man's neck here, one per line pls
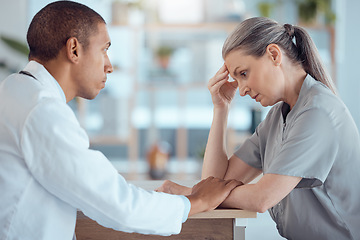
(61, 72)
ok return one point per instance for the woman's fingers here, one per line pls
(218, 77)
(222, 69)
(173, 188)
(214, 88)
(222, 90)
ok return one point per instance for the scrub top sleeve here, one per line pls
(310, 149)
(252, 150)
(56, 151)
(249, 152)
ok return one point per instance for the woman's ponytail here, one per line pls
(310, 59)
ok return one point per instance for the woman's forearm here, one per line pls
(245, 197)
(262, 195)
(215, 158)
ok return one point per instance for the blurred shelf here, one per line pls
(108, 140)
(214, 26)
(206, 26)
(171, 85)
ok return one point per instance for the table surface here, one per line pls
(217, 213)
(219, 224)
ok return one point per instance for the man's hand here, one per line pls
(210, 193)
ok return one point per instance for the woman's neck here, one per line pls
(294, 81)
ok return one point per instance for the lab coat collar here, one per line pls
(44, 77)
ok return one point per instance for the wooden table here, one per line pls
(219, 224)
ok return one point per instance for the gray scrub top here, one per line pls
(318, 141)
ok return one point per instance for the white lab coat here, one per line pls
(47, 171)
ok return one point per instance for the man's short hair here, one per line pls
(53, 25)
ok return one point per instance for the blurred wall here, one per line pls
(347, 55)
(14, 24)
(14, 19)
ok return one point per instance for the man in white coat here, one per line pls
(47, 170)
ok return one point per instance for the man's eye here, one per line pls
(243, 74)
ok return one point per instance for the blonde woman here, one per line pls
(307, 148)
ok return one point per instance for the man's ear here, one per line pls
(72, 49)
(274, 52)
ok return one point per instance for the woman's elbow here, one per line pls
(263, 205)
(262, 209)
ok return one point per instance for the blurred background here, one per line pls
(153, 117)
(155, 113)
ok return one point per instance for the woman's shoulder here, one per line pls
(320, 97)
(318, 101)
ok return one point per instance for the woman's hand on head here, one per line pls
(221, 89)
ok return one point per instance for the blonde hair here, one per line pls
(254, 34)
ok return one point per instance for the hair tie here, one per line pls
(290, 30)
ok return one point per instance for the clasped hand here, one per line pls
(206, 195)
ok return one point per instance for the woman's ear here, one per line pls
(72, 49)
(274, 52)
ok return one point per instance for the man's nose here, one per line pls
(108, 66)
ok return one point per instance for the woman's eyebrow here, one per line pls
(235, 72)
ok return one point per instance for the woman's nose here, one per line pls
(243, 90)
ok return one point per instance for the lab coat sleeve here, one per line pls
(56, 151)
